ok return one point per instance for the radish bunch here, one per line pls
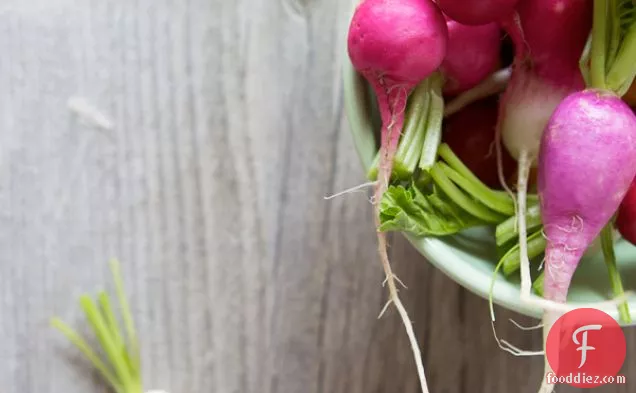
(562, 117)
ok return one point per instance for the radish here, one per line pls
(472, 55)
(589, 145)
(587, 158)
(395, 45)
(626, 217)
(477, 12)
(546, 70)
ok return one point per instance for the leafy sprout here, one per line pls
(120, 364)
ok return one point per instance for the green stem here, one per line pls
(493, 199)
(447, 154)
(599, 45)
(434, 119)
(537, 285)
(508, 230)
(106, 340)
(111, 321)
(83, 346)
(412, 139)
(607, 244)
(456, 195)
(511, 260)
(133, 352)
(622, 73)
(476, 192)
(614, 29)
(585, 61)
(410, 147)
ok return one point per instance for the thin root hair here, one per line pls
(525, 328)
(522, 186)
(353, 189)
(511, 349)
(386, 306)
(491, 149)
(395, 299)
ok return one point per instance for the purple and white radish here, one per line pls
(586, 164)
(546, 70)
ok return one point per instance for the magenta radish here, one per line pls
(395, 45)
(472, 55)
(477, 12)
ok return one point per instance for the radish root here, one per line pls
(522, 186)
(511, 349)
(385, 168)
(391, 279)
(526, 328)
(352, 189)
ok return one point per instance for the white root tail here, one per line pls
(511, 349)
(522, 187)
(394, 298)
(525, 328)
(549, 318)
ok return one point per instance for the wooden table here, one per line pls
(227, 132)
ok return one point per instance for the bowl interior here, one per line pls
(469, 258)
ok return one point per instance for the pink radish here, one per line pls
(395, 45)
(477, 12)
(472, 55)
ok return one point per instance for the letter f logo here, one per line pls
(584, 347)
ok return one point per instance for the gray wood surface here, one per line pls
(228, 131)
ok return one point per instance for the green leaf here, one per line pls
(407, 209)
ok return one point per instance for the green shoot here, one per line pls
(537, 285)
(433, 135)
(409, 149)
(613, 46)
(121, 369)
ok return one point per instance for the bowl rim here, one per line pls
(505, 293)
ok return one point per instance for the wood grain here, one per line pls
(228, 131)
